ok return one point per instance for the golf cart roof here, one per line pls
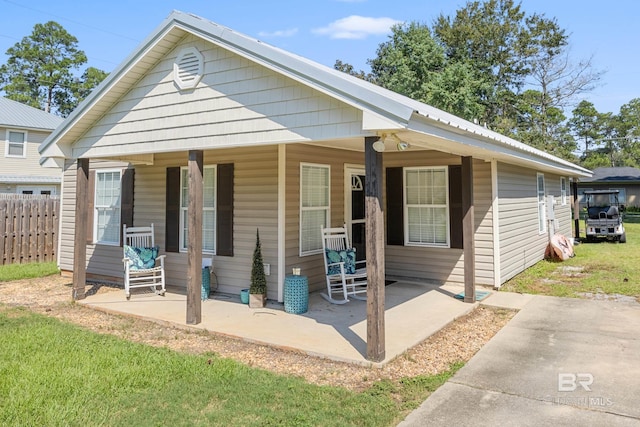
(587, 192)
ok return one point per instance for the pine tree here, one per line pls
(258, 278)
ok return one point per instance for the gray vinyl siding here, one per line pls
(255, 206)
(483, 221)
(237, 103)
(67, 216)
(29, 165)
(446, 265)
(102, 260)
(521, 243)
(313, 265)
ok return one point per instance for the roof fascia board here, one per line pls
(477, 141)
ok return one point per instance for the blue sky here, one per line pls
(326, 30)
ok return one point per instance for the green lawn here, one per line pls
(606, 267)
(55, 374)
(27, 271)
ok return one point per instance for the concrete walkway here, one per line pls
(414, 311)
(559, 362)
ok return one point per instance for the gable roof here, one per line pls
(614, 174)
(14, 114)
(397, 112)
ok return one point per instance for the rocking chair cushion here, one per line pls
(141, 258)
(347, 256)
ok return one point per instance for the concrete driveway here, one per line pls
(559, 362)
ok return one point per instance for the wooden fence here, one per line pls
(28, 228)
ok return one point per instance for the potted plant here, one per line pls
(258, 288)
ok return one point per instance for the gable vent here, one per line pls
(188, 68)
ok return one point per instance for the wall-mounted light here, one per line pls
(401, 146)
(379, 146)
(387, 139)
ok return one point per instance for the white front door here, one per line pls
(354, 209)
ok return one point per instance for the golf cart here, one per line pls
(604, 216)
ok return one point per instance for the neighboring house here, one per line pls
(626, 179)
(286, 146)
(22, 130)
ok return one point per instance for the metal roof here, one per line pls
(18, 115)
(403, 112)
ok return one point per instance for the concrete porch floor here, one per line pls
(414, 311)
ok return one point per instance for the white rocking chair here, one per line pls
(142, 265)
(345, 276)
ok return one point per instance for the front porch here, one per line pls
(414, 311)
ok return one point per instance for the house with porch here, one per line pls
(22, 130)
(259, 138)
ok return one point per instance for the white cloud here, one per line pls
(280, 33)
(356, 27)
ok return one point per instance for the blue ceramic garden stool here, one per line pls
(296, 294)
(206, 283)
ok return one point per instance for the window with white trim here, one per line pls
(314, 206)
(426, 206)
(208, 209)
(542, 205)
(107, 207)
(563, 191)
(16, 145)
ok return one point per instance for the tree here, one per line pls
(585, 125)
(627, 132)
(543, 127)
(414, 64)
(408, 61)
(455, 89)
(552, 72)
(80, 89)
(258, 279)
(494, 63)
(491, 36)
(349, 69)
(40, 70)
